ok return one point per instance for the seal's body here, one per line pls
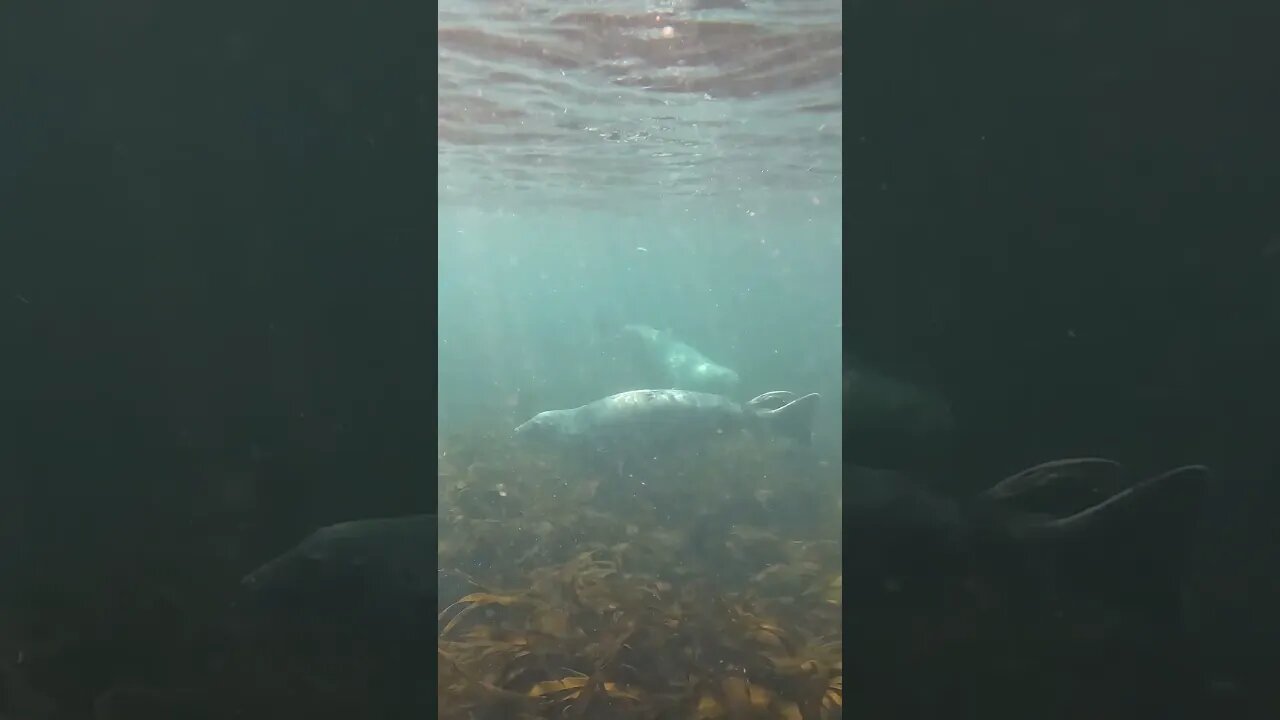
(662, 420)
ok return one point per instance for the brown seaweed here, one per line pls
(694, 590)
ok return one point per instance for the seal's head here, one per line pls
(715, 377)
(545, 428)
(325, 566)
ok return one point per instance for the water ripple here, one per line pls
(697, 97)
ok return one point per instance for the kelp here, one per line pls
(704, 586)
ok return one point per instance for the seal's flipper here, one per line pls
(1171, 497)
(795, 419)
(771, 400)
(1133, 549)
(1060, 487)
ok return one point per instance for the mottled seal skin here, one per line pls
(683, 366)
(373, 570)
(658, 419)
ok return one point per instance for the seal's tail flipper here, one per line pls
(771, 400)
(1172, 498)
(795, 419)
(1136, 545)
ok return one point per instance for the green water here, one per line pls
(529, 300)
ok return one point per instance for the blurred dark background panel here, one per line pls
(216, 266)
(1067, 213)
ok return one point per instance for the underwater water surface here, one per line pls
(615, 104)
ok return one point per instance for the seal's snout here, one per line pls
(526, 431)
(541, 428)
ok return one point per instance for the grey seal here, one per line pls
(682, 365)
(648, 420)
